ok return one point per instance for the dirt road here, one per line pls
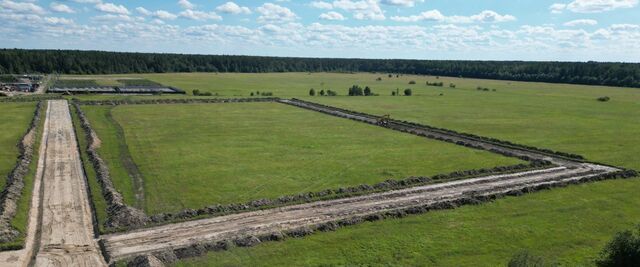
(66, 235)
(291, 217)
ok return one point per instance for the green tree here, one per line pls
(312, 92)
(407, 92)
(623, 250)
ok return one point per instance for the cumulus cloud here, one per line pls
(20, 7)
(486, 16)
(62, 8)
(112, 8)
(592, 6)
(361, 10)
(274, 13)
(581, 22)
(199, 15)
(186, 4)
(332, 15)
(233, 8)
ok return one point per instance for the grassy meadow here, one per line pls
(569, 225)
(14, 120)
(191, 156)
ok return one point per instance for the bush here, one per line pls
(452, 85)
(331, 93)
(438, 84)
(322, 92)
(355, 91)
(312, 92)
(393, 93)
(196, 92)
(407, 92)
(526, 259)
(379, 79)
(623, 250)
(604, 98)
(367, 91)
(251, 93)
(412, 82)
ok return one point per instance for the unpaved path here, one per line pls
(66, 235)
(280, 219)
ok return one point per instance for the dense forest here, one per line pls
(100, 62)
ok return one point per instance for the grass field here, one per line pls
(191, 156)
(570, 225)
(14, 120)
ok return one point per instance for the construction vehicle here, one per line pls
(383, 120)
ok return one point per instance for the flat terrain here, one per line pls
(65, 235)
(570, 225)
(14, 120)
(191, 156)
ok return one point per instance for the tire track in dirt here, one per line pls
(65, 235)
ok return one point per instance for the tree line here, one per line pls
(101, 62)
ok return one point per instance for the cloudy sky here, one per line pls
(567, 30)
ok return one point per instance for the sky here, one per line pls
(540, 30)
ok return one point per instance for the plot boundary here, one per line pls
(537, 158)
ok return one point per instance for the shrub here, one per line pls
(623, 250)
(604, 98)
(266, 94)
(196, 92)
(452, 85)
(412, 82)
(312, 92)
(407, 92)
(390, 76)
(438, 84)
(526, 259)
(379, 79)
(393, 93)
(322, 92)
(367, 91)
(251, 93)
(355, 91)
(331, 93)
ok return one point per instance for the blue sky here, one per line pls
(564, 30)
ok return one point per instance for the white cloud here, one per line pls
(186, 4)
(199, 15)
(332, 15)
(62, 8)
(87, 1)
(431, 15)
(557, 8)
(404, 3)
(19, 7)
(161, 14)
(112, 8)
(486, 16)
(143, 11)
(274, 13)
(58, 21)
(233, 8)
(592, 6)
(321, 5)
(581, 22)
(362, 10)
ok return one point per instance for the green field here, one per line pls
(569, 225)
(191, 156)
(14, 120)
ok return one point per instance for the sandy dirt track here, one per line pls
(66, 235)
(280, 219)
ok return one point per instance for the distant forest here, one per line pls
(18, 61)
